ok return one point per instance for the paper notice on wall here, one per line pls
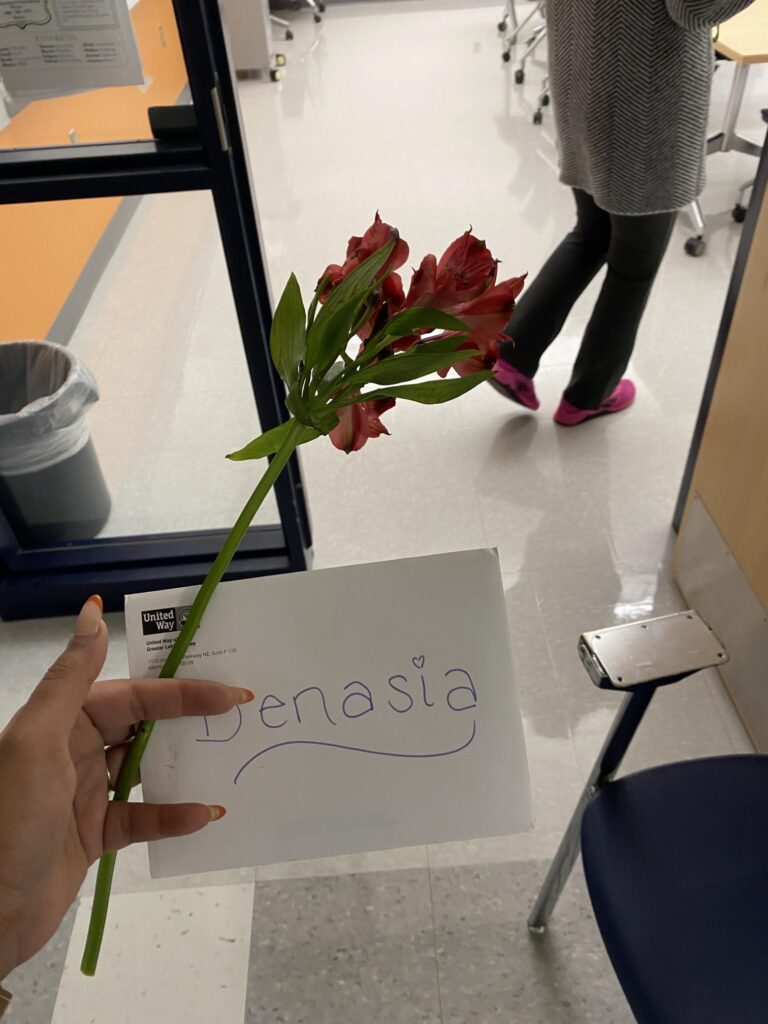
(54, 47)
(385, 712)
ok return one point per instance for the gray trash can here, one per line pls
(51, 486)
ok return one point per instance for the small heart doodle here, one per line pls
(419, 662)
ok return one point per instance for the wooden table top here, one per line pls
(745, 37)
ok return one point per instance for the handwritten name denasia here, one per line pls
(356, 699)
(310, 708)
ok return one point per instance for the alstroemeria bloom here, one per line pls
(464, 271)
(359, 249)
(390, 300)
(358, 423)
(486, 317)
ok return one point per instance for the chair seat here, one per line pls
(676, 861)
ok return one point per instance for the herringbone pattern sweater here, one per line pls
(630, 83)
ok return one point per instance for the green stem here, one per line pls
(130, 767)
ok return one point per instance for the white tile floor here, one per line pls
(406, 107)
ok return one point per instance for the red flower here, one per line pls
(357, 423)
(423, 283)
(391, 296)
(376, 237)
(465, 270)
(486, 317)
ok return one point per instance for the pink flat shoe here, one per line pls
(623, 396)
(513, 384)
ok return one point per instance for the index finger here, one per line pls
(58, 698)
(117, 704)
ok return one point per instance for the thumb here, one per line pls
(59, 696)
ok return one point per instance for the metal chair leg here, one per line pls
(540, 34)
(317, 7)
(739, 212)
(514, 36)
(538, 114)
(508, 14)
(286, 25)
(607, 764)
(696, 244)
(635, 658)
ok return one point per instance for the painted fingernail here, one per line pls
(87, 622)
(216, 811)
(245, 696)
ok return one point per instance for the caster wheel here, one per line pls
(280, 60)
(538, 117)
(695, 246)
(318, 19)
(321, 8)
(519, 76)
(545, 101)
(739, 213)
(506, 56)
(502, 26)
(275, 74)
(288, 36)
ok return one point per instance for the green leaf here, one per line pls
(361, 278)
(299, 409)
(450, 344)
(421, 318)
(410, 366)
(268, 443)
(325, 339)
(287, 339)
(315, 299)
(338, 329)
(430, 392)
(383, 338)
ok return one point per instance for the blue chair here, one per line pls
(675, 857)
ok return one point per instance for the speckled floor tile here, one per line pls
(492, 970)
(348, 864)
(35, 984)
(170, 956)
(344, 950)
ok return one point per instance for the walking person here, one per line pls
(630, 86)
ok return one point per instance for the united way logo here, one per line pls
(164, 620)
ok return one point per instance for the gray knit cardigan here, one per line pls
(630, 82)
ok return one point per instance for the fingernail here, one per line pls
(245, 697)
(216, 811)
(87, 622)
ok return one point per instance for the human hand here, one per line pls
(59, 755)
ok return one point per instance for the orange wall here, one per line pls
(44, 246)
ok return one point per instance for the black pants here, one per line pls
(633, 248)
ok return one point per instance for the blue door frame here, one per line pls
(54, 581)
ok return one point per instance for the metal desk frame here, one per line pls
(724, 141)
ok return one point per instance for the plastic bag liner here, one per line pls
(44, 392)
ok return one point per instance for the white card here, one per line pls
(385, 712)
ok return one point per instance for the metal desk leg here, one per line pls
(723, 142)
(735, 98)
(729, 138)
